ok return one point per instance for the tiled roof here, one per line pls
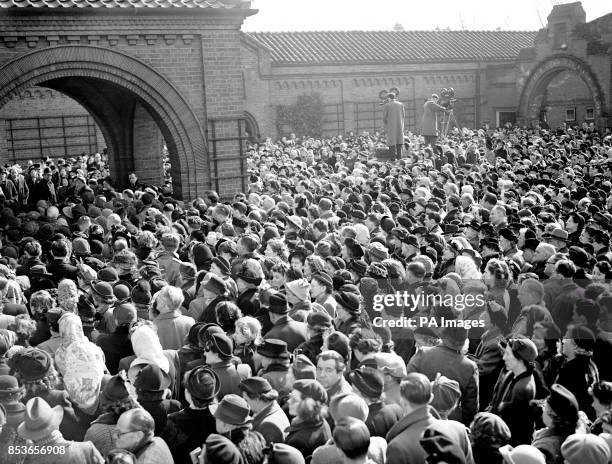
(393, 46)
(125, 4)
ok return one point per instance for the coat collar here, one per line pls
(268, 411)
(409, 420)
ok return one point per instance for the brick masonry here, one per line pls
(183, 67)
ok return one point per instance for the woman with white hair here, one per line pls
(172, 326)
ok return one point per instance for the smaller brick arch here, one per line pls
(540, 77)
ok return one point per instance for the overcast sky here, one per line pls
(308, 15)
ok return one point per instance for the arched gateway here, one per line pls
(140, 70)
(535, 88)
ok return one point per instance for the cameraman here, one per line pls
(430, 119)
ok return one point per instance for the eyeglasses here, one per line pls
(118, 433)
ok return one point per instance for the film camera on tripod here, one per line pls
(447, 100)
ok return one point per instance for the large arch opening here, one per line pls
(137, 109)
(561, 89)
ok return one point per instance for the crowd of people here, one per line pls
(449, 305)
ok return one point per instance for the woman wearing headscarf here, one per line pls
(71, 332)
(67, 296)
(82, 366)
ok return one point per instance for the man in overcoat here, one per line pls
(430, 120)
(393, 118)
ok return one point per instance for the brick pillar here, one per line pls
(147, 152)
(3, 144)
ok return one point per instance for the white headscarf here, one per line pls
(148, 350)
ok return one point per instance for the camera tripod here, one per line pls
(447, 118)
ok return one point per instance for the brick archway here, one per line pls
(87, 65)
(541, 76)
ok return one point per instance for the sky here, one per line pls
(310, 15)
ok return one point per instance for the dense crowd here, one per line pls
(449, 305)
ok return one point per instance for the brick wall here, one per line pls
(39, 102)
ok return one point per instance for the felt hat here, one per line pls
(440, 446)
(40, 419)
(563, 402)
(349, 301)
(32, 363)
(255, 386)
(125, 313)
(348, 405)
(300, 288)
(220, 449)
(369, 381)
(585, 448)
(9, 384)
(524, 348)
(152, 379)
(274, 349)
(303, 368)
(278, 304)
(522, 454)
(216, 285)
(202, 383)
(224, 346)
(446, 393)
(233, 410)
(281, 453)
(319, 320)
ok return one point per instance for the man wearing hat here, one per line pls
(275, 366)
(268, 417)
(284, 328)
(188, 428)
(558, 238)
(41, 426)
